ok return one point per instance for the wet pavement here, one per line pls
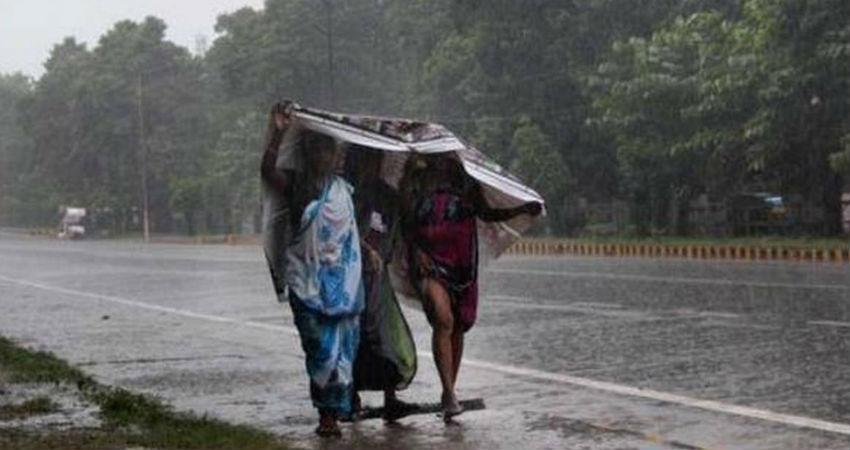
(568, 352)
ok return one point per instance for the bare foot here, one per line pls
(328, 427)
(451, 407)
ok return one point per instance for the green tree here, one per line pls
(719, 105)
(804, 102)
(539, 162)
(187, 198)
(231, 183)
(96, 116)
(54, 121)
(593, 98)
(15, 150)
(361, 55)
(674, 104)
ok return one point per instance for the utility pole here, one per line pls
(144, 156)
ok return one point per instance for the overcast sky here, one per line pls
(30, 28)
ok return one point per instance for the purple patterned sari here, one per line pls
(445, 229)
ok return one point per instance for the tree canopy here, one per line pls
(587, 100)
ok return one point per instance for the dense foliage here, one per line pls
(587, 100)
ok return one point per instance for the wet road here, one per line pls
(568, 352)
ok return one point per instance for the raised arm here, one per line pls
(278, 123)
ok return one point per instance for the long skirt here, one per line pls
(330, 346)
(386, 358)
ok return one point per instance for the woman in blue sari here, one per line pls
(323, 273)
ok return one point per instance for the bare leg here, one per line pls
(443, 344)
(442, 322)
(389, 396)
(457, 353)
(356, 403)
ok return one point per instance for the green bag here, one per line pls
(386, 358)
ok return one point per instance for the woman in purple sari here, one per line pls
(441, 227)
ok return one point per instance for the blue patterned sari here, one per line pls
(326, 294)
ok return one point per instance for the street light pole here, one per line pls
(144, 156)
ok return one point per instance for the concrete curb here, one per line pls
(720, 252)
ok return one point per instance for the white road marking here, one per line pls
(150, 306)
(718, 314)
(830, 323)
(601, 305)
(534, 374)
(710, 405)
(685, 280)
(529, 303)
(692, 313)
(604, 309)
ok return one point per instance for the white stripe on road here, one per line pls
(602, 305)
(709, 405)
(149, 306)
(534, 302)
(685, 280)
(604, 309)
(717, 314)
(528, 303)
(830, 323)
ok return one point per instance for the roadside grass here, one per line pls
(163, 428)
(28, 366)
(61, 440)
(129, 419)
(33, 407)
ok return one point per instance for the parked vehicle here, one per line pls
(72, 224)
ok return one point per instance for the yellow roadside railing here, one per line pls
(687, 251)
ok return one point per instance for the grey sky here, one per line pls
(30, 28)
